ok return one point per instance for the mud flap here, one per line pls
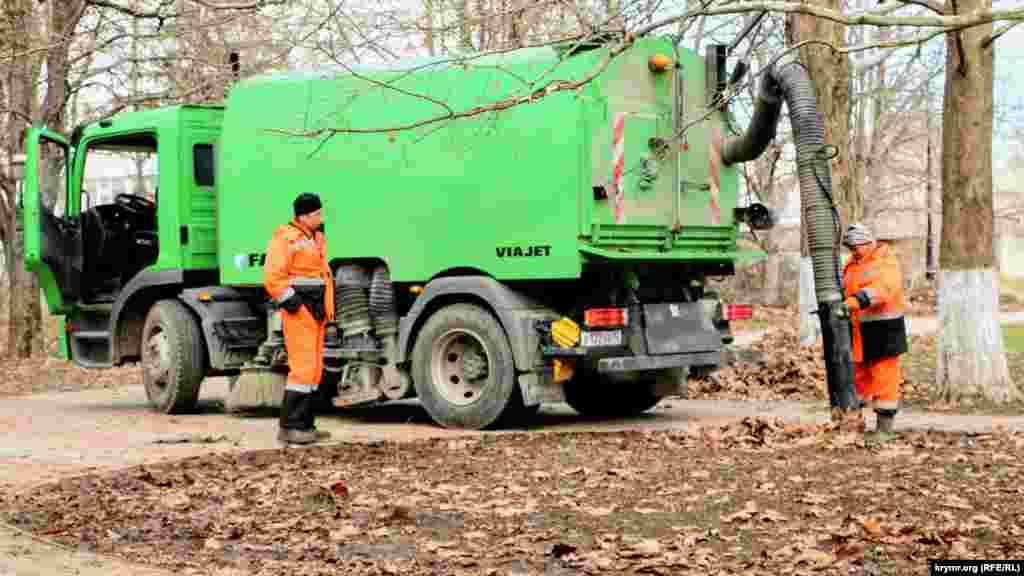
(681, 328)
(539, 388)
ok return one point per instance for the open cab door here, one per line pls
(53, 243)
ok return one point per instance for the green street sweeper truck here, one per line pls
(515, 228)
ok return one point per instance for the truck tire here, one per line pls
(591, 394)
(463, 369)
(173, 358)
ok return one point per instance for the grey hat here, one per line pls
(857, 234)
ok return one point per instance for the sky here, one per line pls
(1009, 58)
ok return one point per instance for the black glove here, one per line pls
(317, 308)
(292, 303)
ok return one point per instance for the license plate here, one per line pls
(602, 338)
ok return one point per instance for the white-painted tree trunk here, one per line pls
(971, 361)
(810, 324)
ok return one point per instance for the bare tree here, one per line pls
(971, 360)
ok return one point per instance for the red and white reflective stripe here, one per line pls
(618, 165)
(713, 159)
(738, 312)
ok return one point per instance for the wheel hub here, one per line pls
(158, 357)
(460, 367)
(474, 365)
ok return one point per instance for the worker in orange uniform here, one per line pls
(299, 281)
(873, 284)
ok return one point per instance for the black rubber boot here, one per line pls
(292, 422)
(884, 426)
(309, 416)
(885, 423)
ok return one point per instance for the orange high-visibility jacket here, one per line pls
(876, 281)
(295, 253)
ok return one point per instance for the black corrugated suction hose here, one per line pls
(792, 83)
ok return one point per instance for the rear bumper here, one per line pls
(645, 363)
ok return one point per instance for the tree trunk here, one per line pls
(971, 360)
(465, 27)
(23, 306)
(25, 318)
(428, 34)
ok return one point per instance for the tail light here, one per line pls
(606, 317)
(738, 312)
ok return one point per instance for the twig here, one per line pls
(929, 4)
(997, 33)
(874, 17)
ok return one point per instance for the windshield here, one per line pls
(127, 165)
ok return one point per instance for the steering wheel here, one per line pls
(134, 204)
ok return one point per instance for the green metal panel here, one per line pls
(31, 216)
(198, 203)
(497, 192)
(509, 192)
(62, 337)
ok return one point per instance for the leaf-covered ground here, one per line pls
(49, 373)
(776, 367)
(755, 497)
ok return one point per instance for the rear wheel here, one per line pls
(463, 369)
(173, 358)
(591, 394)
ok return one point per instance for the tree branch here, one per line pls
(997, 33)
(158, 15)
(929, 4)
(874, 17)
(18, 113)
(253, 5)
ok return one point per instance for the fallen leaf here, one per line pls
(872, 527)
(643, 548)
(954, 501)
(773, 516)
(559, 550)
(339, 489)
(815, 557)
(344, 533)
(959, 550)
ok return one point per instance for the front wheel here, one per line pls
(463, 369)
(173, 358)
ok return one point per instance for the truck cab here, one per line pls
(117, 214)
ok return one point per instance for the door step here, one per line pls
(91, 348)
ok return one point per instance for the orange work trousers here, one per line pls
(304, 343)
(878, 382)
